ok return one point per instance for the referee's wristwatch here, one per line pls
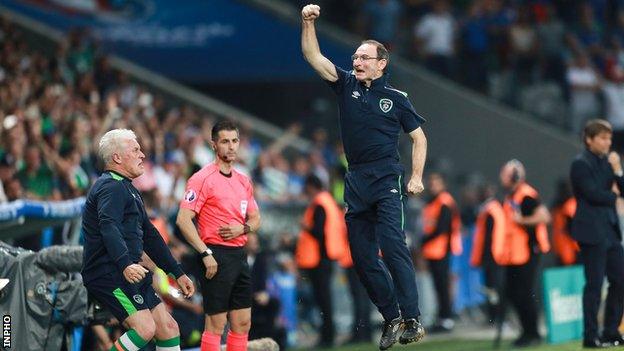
(206, 253)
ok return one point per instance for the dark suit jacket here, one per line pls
(595, 217)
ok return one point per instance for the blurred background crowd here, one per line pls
(559, 60)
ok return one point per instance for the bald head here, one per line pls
(512, 173)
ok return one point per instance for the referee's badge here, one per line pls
(244, 207)
(385, 105)
(190, 196)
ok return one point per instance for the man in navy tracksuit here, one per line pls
(372, 115)
(116, 230)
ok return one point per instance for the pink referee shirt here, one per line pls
(219, 200)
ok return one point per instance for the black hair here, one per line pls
(313, 181)
(222, 125)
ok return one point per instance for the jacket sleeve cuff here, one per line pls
(177, 271)
(123, 262)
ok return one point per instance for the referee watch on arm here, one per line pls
(206, 253)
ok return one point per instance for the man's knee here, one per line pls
(144, 325)
(242, 325)
(169, 324)
(216, 323)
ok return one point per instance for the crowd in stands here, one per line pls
(561, 60)
(55, 107)
(53, 110)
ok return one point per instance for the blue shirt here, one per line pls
(372, 118)
(116, 230)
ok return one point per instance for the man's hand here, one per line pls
(134, 273)
(310, 12)
(211, 266)
(186, 285)
(262, 298)
(614, 160)
(415, 186)
(229, 232)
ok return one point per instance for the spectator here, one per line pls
(37, 179)
(382, 20)
(523, 44)
(435, 38)
(550, 36)
(583, 82)
(613, 92)
(475, 43)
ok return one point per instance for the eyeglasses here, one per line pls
(364, 57)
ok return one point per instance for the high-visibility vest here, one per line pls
(564, 246)
(494, 209)
(516, 248)
(346, 261)
(308, 254)
(437, 248)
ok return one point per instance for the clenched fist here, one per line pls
(614, 160)
(310, 12)
(415, 186)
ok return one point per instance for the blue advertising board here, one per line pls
(194, 41)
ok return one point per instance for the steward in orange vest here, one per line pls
(323, 234)
(526, 236)
(564, 245)
(487, 247)
(323, 238)
(441, 229)
(489, 235)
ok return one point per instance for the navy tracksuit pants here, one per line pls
(375, 195)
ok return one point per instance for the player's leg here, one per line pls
(216, 294)
(389, 232)
(167, 336)
(364, 246)
(240, 323)
(127, 305)
(390, 196)
(240, 302)
(213, 329)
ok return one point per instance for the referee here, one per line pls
(116, 230)
(221, 200)
(372, 115)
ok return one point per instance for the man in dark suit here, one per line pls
(596, 228)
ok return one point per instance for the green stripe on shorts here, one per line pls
(401, 200)
(124, 301)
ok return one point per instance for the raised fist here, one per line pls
(310, 12)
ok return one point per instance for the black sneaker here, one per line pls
(527, 341)
(413, 331)
(615, 340)
(389, 333)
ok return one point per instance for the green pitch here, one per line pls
(460, 345)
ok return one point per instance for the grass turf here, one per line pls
(459, 345)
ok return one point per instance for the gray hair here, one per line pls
(111, 143)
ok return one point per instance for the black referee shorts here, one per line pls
(230, 288)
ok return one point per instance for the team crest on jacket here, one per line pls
(385, 105)
(190, 196)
